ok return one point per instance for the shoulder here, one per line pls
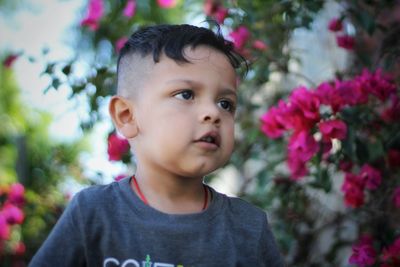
(244, 211)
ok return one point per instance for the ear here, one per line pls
(122, 114)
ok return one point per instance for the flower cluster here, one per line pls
(364, 253)
(343, 40)
(315, 118)
(11, 214)
(117, 147)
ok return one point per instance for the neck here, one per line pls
(169, 193)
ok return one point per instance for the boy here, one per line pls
(175, 104)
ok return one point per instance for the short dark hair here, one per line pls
(172, 39)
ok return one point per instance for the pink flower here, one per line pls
(297, 167)
(333, 129)
(130, 8)
(378, 84)
(335, 25)
(117, 146)
(94, 14)
(167, 3)
(16, 194)
(273, 124)
(10, 59)
(119, 44)
(396, 197)
(345, 165)
(259, 45)
(4, 228)
(240, 37)
(119, 177)
(13, 214)
(394, 158)
(371, 176)
(215, 10)
(303, 146)
(19, 249)
(392, 253)
(390, 114)
(304, 105)
(351, 92)
(345, 41)
(363, 253)
(353, 188)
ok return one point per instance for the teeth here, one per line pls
(208, 139)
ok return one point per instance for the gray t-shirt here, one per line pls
(108, 225)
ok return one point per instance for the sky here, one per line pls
(47, 24)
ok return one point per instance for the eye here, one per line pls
(185, 94)
(227, 105)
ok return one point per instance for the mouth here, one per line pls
(212, 138)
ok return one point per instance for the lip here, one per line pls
(213, 134)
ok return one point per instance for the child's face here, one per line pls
(185, 115)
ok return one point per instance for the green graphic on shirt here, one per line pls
(147, 263)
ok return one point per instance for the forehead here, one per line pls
(205, 64)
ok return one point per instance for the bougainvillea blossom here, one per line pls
(273, 121)
(12, 214)
(4, 227)
(129, 9)
(260, 45)
(117, 147)
(333, 129)
(353, 189)
(394, 158)
(345, 41)
(335, 25)
(391, 254)
(94, 14)
(167, 3)
(372, 177)
(120, 43)
(16, 194)
(239, 37)
(215, 10)
(9, 60)
(377, 84)
(363, 253)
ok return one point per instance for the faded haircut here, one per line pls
(147, 45)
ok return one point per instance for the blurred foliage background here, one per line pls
(288, 44)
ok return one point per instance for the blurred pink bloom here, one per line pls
(94, 14)
(130, 8)
(392, 253)
(214, 9)
(303, 146)
(333, 129)
(9, 60)
(4, 228)
(371, 176)
(345, 41)
(396, 197)
(119, 44)
(298, 168)
(167, 3)
(363, 253)
(304, 106)
(273, 121)
(16, 194)
(117, 146)
(259, 45)
(335, 25)
(120, 177)
(351, 92)
(378, 84)
(345, 165)
(19, 249)
(13, 214)
(394, 158)
(390, 114)
(353, 188)
(240, 37)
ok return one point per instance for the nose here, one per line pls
(210, 114)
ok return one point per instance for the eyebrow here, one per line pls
(224, 91)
